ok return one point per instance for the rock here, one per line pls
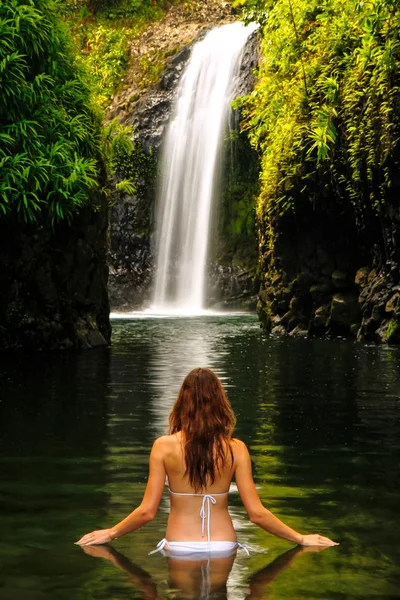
(130, 256)
(264, 317)
(393, 332)
(378, 311)
(279, 331)
(380, 333)
(321, 317)
(354, 329)
(340, 280)
(303, 283)
(320, 289)
(378, 284)
(59, 300)
(395, 272)
(281, 297)
(345, 310)
(361, 278)
(231, 287)
(370, 326)
(393, 303)
(321, 293)
(287, 317)
(293, 323)
(299, 332)
(295, 304)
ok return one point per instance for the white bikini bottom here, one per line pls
(197, 550)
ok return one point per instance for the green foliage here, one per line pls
(236, 231)
(393, 332)
(103, 30)
(106, 59)
(49, 133)
(152, 65)
(127, 159)
(147, 10)
(325, 113)
(117, 147)
(252, 10)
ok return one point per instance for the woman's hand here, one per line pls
(101, 536)
(316, 540)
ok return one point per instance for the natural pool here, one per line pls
(321, 419)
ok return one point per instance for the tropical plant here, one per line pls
(50, 135)
(325, 113)
(105, 58)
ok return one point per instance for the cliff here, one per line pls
(325, 119)
(53, 211)
(54, 284)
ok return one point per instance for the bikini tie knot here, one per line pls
(206, 514)
(160, 546)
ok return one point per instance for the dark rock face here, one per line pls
(232, 288)
(328, 278)
(132, 216)
(150, 116)
(250, 58)
(54, 284)
(131, 255)
(380, 304)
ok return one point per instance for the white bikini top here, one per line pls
(205, 515)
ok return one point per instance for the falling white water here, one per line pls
(190, 168)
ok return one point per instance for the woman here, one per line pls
(200, 459)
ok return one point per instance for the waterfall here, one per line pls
(190, 167)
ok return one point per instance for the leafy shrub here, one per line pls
(325, 113)
(106, 58)
(49, 133)
(118, 150)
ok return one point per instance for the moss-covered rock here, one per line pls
(393, 331)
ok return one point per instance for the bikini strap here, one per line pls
(187, 494)
(245, 547)
(205, 510)
(160, 546)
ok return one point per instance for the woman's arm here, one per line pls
(259, 582)
(138, 576)
(143, 513)
(258, 514)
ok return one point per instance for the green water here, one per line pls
(321, 419)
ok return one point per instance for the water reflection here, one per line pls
(322, 420)
(177, 351)
(52, 431)
(200, 579)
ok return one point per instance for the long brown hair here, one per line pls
(204, 416)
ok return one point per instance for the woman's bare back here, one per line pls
(184, 522)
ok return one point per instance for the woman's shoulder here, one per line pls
(238, 446)
(164, 441)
